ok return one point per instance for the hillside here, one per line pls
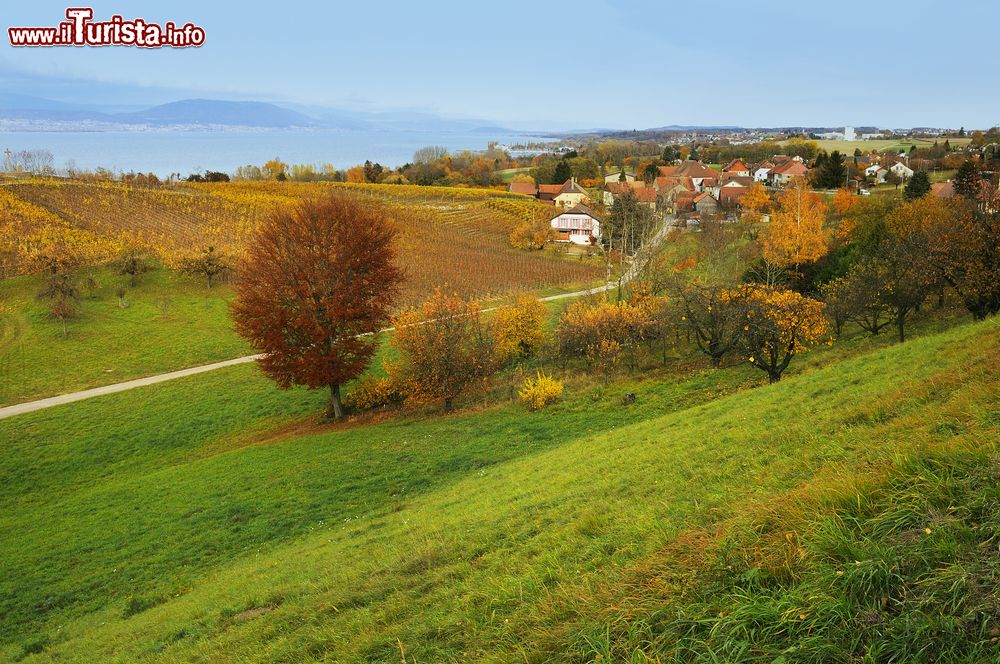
(455, 239)
(274, 538)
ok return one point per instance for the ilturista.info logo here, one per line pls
(79, 29)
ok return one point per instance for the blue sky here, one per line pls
(552, 65)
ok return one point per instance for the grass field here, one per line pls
(886, 145)
(212, 519)
(171, 322)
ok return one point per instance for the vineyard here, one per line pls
(450, 237)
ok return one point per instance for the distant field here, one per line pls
(508, 173)
(451, 237)
(848, 147)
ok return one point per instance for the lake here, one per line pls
(166, 152)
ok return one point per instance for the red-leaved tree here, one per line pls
(316, 286)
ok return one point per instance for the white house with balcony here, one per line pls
(578, 225)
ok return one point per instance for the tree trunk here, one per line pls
(773, 377)
(335, 410)
(65, 331)
(900, 322)
(449, 403)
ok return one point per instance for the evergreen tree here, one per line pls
(961, 132)
(966, 181)
(918, 186)
(694, 153)
(621, 176)
(947, 145)
(562, 173)
(833, 173)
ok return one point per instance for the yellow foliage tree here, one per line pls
(777, 325)
(518, 330)
(796, 234)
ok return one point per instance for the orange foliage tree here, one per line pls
(605, 333)
(443, 349)
(777, 325)
(317, 283)
(795, 234)
(756, 200)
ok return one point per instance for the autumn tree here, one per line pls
(62, 293)
(133, 263)
(965, 246)
(604, 334)
(714, 315)
(839, 302)
(796, 234)
(778, 324)
(275, 169)
(518, 330)
(444, 347)
(317, 284)
(756, 201)
(208, 264)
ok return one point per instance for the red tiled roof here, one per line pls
(667, 170)
(526, 188)
(790, 167)
(735, 165)
(549, 188)
(646, 195)
(695, 169)
(730, 196)
(943, 189)
(571, 187)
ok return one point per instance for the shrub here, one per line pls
(538, 392)
(374, 392)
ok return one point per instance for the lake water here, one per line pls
(166, 152)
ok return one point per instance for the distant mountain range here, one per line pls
(25, 112)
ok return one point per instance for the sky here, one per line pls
(549, 64)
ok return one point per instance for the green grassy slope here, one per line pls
(172, 322)
(201, 520)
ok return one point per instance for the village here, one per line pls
(688, 191)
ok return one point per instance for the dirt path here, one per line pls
(31, 406)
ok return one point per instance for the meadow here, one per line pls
(542, 537)
(886, 145)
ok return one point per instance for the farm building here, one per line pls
(571, 194)
(578, 225)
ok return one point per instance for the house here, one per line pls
(577, 225)
(730, 196)
(736, 167)
(666, 197)
(684, 201)
(901, 170)
(877, 172)
(571, 194)
(763, 172)
(783, 173)
(701, 175)
(615, 176)
(526, 188)
(548, 192)
(705, 203)
(643, 193)
(943, 189)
